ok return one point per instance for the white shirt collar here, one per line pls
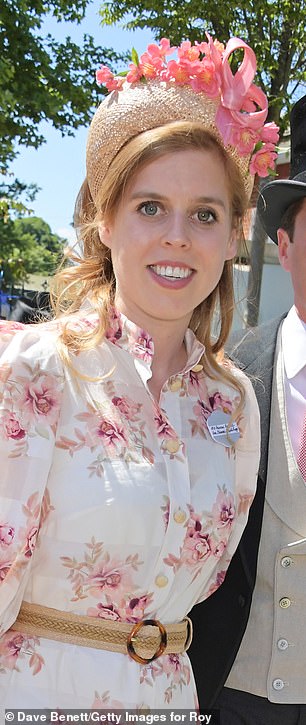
(293, 343)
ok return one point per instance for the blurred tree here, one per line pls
(28, 247)
(10, 198)
(41, 79)
(275, 29)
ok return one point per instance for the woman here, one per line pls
(129, 446)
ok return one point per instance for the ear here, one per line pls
(284, 249)
(105, 234)
(232, 245)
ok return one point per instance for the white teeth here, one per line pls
(172, 272)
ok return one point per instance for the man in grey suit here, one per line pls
(249, 649)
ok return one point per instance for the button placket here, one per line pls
(179, 497)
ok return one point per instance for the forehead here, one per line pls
(182, 168)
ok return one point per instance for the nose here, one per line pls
(176, 234)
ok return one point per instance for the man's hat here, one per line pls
(277, 196)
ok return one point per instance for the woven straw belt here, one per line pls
(144, 641)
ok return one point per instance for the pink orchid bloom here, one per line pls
(206, 79)
(263, 160)
(134, 74)
(270, 133)
(150, 65)
(188, 51)
(162, 49)
(214, 51)
(244, 139)
(116, 84)
(104, 75)
(179, 71)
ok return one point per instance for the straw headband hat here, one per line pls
(199, 87)
(278, 195)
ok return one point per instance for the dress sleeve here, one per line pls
(31, 386)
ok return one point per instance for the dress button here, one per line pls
(282, 644)
(284, 602)
(161, 581)
(197, 368)
(179, 516)
(175, 385)
(278, 684)
(172, 445)
(286, 561)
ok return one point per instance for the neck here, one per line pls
(169, 348)
(170, 357)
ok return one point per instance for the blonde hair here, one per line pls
(91, 274)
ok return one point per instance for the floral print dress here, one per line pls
(111, 506)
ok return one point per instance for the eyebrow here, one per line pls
(151, 195)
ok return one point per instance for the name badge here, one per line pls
(217, 424)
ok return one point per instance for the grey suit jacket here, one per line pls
(220, 621)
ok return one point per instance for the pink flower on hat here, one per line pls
(241, 106)
(244, 139)
(188, 51)
(270, 133)
(206, 79)
(151, 65)
(164, 48)
(104, 76)
(135, 73)
(263, 160)
(178, 71)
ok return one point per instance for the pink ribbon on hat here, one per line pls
(238, 92)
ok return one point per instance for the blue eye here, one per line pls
(149, 208)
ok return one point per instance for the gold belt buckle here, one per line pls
(131, 638)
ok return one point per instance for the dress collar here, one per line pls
(128, 336)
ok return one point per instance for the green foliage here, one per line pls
(10, 204)
(28, 247)
(275, 29)
(41, 79)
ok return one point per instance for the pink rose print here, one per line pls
(197, 545)
(219, 549)
(7, 534)
(127, 407)
(134, 610)
(5, 566)
(217, 583)
(103, 701)
(40, 400)
(107, 432)
(143, 346)
(110, 578)
(10, 647)
(172, 667)
(30, 541)
(102, 577)
(10, 326)
(104, 611)
(204, 408)
(11, 427)
(164, 429)
(114, 331)
(223, 510)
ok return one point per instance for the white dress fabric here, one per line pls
(111, 506)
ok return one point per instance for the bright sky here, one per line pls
(58, 166)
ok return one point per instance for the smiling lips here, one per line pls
(168, 275)
(172, 272)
